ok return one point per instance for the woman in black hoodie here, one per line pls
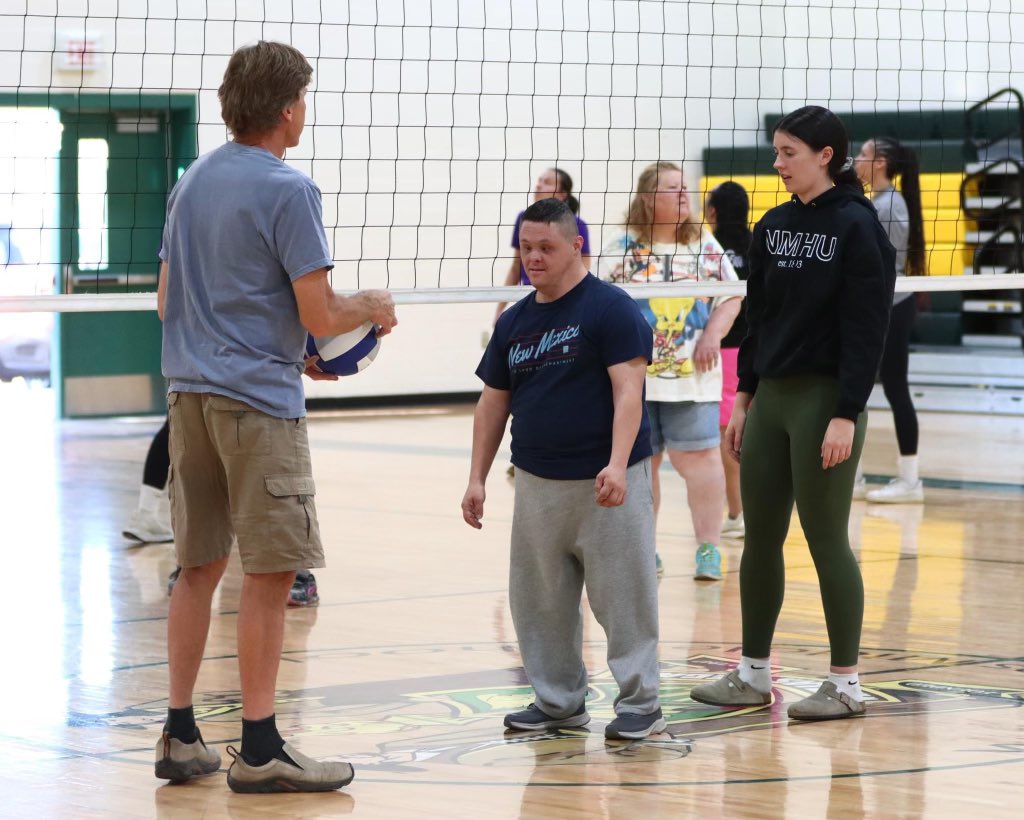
(819, 292)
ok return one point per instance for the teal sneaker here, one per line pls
(709, 563)
(659, 568)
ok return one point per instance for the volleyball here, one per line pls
(347, 353)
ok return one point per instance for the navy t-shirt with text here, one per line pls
(554, 358)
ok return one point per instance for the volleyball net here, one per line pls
(429, 121)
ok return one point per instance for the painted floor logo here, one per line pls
(421, 725)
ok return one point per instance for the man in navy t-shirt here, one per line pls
(568, 362)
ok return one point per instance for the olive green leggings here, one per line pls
(781, 462)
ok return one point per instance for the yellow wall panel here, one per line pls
(940, 191)
(944, 224)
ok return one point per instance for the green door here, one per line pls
(116, 171)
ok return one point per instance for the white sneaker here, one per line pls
(898, 491)
(860, 489)
(733, 527)
(151, 521)
(147, 528)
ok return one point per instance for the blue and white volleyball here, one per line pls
(347, 353)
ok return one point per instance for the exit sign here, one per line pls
(79, 50)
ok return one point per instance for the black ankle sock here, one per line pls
(261, 742)
(181, 724)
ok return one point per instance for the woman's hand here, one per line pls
(838, 443)
(734, 432)
(706, 352)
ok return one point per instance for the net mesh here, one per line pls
(430, 120)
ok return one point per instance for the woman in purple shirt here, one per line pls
(556, 183)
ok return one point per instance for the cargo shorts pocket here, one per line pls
(241, 430)
(294, 494)
(176, 423)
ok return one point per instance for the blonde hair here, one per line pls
(640, 215)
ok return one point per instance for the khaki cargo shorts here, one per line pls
(240, 474)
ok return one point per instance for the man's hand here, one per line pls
(734, 432)
(610, 486)
(325, 313)
(381, 308)
(316, 374)
(473, 505)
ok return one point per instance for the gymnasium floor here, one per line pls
(409, 663)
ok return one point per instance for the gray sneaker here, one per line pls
(178, 761)
(632, 726)
(533, 718)
(306, 775)
(729, 690)
(828, 703)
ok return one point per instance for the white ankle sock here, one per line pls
(907, 466)
(847, 682)
(756, 672)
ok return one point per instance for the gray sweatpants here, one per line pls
(561, 538)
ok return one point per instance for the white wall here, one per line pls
(431, 118)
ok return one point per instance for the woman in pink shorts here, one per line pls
(726, 212)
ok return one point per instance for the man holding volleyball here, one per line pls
(568, 362)
(243, 279)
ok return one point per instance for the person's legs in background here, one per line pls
(733, 526)
(689, 432)
(705, 494)
(151, 521)
(906, 488)
(303, 591)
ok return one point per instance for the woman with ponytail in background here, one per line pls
(880, 162)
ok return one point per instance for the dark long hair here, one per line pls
(901, 162)
(819, 127)
(565, 184)
(732, 215)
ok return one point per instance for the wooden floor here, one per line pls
(409, 663)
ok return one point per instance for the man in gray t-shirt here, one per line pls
(248, 226)
(243, 278)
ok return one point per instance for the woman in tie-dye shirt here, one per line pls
(662, 241)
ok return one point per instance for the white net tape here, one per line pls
(90, 303)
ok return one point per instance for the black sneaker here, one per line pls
(532, 718)
(303, 591)
(172, 579)
(631, 726)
